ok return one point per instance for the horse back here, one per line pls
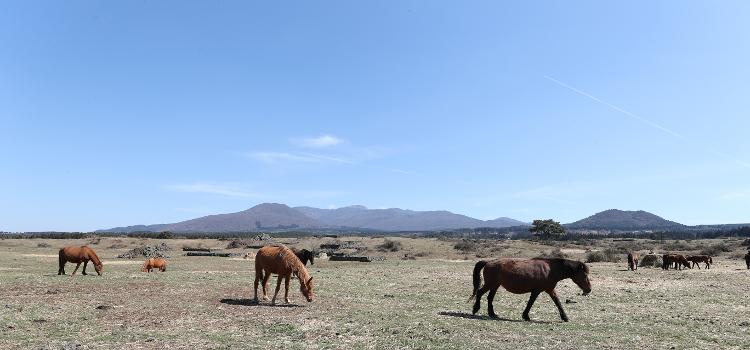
(520, 275)
(277, 259)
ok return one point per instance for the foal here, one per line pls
(696, 259)
(520, 276)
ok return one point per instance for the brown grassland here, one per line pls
(420, 303)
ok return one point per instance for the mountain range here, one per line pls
(274, 216)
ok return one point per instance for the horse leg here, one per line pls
(553, 295)
(490, 298)
(477, 303)
(532, 299)
(258, 277)
(265, 285)
(696, 264)
(278, 286)
(84, 268)
(286, 289)
(61, 270)
(76, 269)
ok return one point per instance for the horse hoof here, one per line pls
(493, 316)
(526, 318)
(565, 319)
(287, 301)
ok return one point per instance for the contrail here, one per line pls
(643, 120)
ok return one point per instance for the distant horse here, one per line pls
(154, 263)
(520, 276)
(304, 256)
(747, 260)
(79, 255)
(281, 260)
(696, 259)
(677, 259)
(633, 261)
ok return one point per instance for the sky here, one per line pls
(143, 112)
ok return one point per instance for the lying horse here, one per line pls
(154, 263)
(696, 259)
(304, 256)
(281, 261)
(677, 259)
(79, 255)
(520, 276)
(633, 261)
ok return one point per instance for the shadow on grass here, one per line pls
(484, 318)
(251, 302)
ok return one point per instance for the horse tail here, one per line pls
(61, 259)
(710, 260)
(477, 277)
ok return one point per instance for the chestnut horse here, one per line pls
(678, 260)
(520, 276)
(281, 261)
(696, 259)
(154, 263)
(79, 255)
(633, 261)
(304, 256)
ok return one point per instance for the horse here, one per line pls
(304, 256)
(747, 260)
(282, 261)
(678, 259)
(520, 276)
(154, 263)
(633, 261)
(79, 255)
(696, 259)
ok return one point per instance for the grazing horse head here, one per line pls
(99, 268)
(306, 287)
(579, 273)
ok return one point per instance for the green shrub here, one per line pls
(466, 246)
(715, 249)
(606, 255)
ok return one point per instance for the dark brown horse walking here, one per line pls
(79, 255)
(677, 259)
(633, 261)
(520, 276)
(696, 259)
(304, 256)
(281, 261)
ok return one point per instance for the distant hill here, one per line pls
(272, 216)
(615, 219)
(267, 216)
(395, 219)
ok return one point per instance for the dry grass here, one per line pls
(202, 302)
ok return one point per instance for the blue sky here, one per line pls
(158, 111)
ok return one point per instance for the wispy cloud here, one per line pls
(231, 190)
(278, 157)
(735, 195)
(318, 142)
(649, 122)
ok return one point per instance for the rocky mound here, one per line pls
(157, 251)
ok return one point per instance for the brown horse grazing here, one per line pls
(154, 263)
(304, 256)
(520, 276)
(281, 261)
(633, 261)
(79, 255)
(677, 259)
(696, 259)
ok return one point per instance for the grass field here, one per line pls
(203, 302)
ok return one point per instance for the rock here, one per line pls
(103, 307)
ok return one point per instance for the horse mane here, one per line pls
(92, 255)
